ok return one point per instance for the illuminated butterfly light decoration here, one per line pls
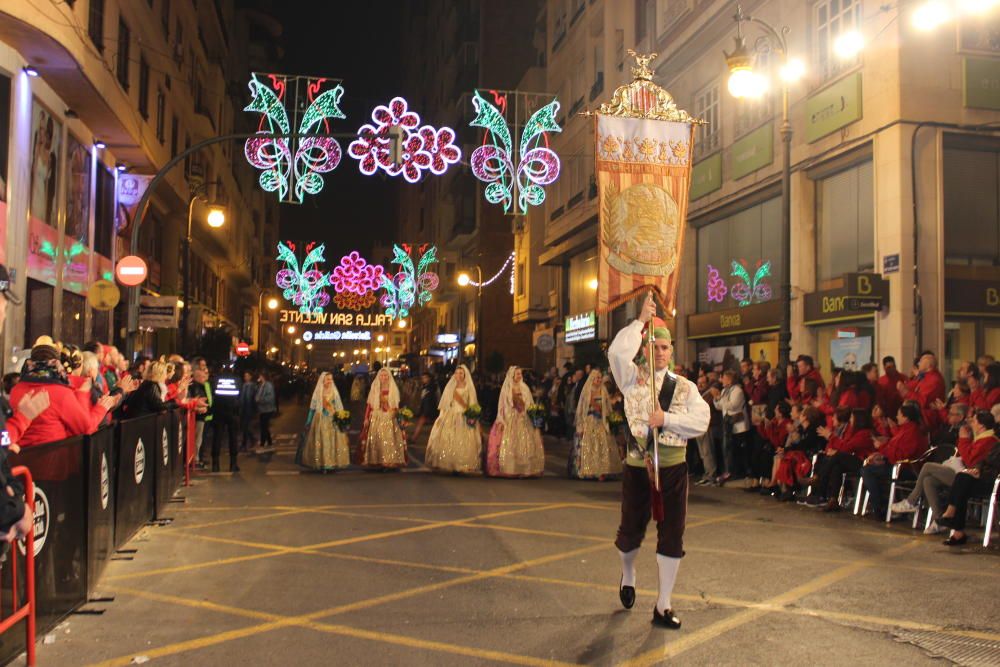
(303, 286)
(423, 147)
(293, 168)
(410, 286)
(493, 162)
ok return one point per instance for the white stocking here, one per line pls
(628, 566)
(667, 567)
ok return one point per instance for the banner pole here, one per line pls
(652, 394)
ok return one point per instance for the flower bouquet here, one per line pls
(342, 418)
(472, 414)
(615, 422)
(536, 411)
(404, 416)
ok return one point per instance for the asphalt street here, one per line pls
(273, 566)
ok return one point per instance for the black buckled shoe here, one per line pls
(626, 594)
(666, 619)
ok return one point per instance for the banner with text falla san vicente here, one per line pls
(643, 150)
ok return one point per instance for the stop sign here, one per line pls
(131, 270)
(242, 349)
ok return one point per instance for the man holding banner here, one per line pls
(644, 145)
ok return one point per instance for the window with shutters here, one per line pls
(95, 23)
(971, 207)
(831, 19)
(124, 42)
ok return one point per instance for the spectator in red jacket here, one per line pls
(906, 444)
(844, 454)
(889, 384)
(70, 411)
(927, 386)
(758, 386)
(988, 393)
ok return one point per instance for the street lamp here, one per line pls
(464, 280)
(291, 328)
(272, 304)
(744, 82)
(216, 218)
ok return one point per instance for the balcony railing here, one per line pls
(557, 213)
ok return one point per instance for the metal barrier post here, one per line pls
(27, 611)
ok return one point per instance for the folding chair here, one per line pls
(991, 512)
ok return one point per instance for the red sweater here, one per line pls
(927, 387)
(775, 432)
(758, 391)
(69, 413)
(906, 444)
(854, 399)
(887, 393)
(792, 383)
(974, 451)
(981, 400)
(858, 443)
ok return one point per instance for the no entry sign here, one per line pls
(242, 349)
(131, 270)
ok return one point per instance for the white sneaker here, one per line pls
(903, 507)
(933, 529)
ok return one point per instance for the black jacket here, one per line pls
(144, 400)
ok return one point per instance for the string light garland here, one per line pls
(508, 262)
(293, 168)
(411, 286)
(303, 286)
(422, 148)
(493, 162)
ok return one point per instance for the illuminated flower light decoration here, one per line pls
(410, 286)
(716, 287)
(290, 167)
(356, 275)
(303, 286)
(424, 148)
(493, 162)
(747, 290)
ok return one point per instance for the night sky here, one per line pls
(335, 39)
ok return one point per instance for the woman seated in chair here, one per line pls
(796, 455)
(972, 482)
(907, 443)
(844, 454)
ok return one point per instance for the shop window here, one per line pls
(38, 315)
(971, 212)
(104, 211)
(46, 139)
(835, 349)
(831, 19)
(582, 270)
(845, 223)
(73, 309)
(739, 258)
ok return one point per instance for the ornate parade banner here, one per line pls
(643, 146)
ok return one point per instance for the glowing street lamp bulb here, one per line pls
(848, 44)
(291, 328)
(464, 279)
(180, 303)
(272, 303)
(298, 341)
(309, 346)
(380, 338)
(592, 284)
(930, 15)
(744, 82)
(274, 350)
(401, 323)
(216, 218)
(378, 350)
(793, 70)
(357, 352)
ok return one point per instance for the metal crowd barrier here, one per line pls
(90, 495)
(22, 610)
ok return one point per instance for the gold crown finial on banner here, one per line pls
(644, 99)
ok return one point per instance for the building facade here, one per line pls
(95, 96)
(472, 50)
(895, 230)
